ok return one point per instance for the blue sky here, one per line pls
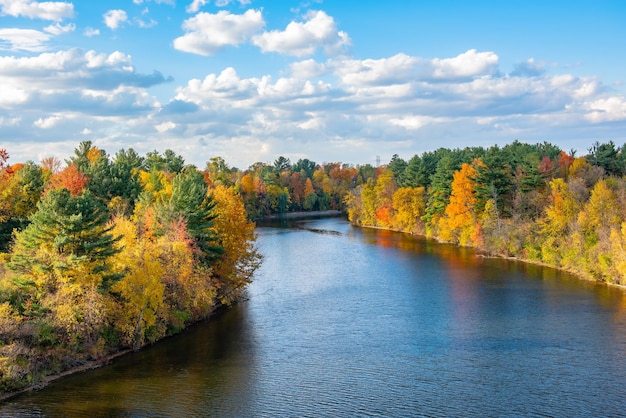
(328, 80)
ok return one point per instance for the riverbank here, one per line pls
(92, 364)
(304, 215)
(485, 253)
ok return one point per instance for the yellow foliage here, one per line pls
(618, 249)
(157, 183)
(247, 184)
(409, 206)
(562, 210)
(602, 209)
(459, 221)
(235, 267)
(141, 290)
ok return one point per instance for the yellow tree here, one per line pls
(384, 190)
(235, 267)
(599, 221)
(247, 184)
(310, 198)
(409, 206)
(141, 292)
(459, 221)
(558, 221)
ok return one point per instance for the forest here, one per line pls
(109, 254)
(101, 254)
(533, 202)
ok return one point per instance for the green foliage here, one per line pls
(190, 200)
(108, 254)
(65, 231)
(608, 157)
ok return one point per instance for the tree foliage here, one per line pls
(114, 253)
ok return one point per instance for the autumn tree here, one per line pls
(409, 206)
(66, 231)
(190, 201)
(240, 259)
(70, 178)
(459, 221)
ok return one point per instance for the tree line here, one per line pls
(534, 202)
(102, 254)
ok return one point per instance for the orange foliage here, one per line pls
(70, 178)
(458, 223)
(383, 216)
(565, 161)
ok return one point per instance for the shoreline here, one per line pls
(482, 253)
(303, 215)
(101, 362)
(88, 365)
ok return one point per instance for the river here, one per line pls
(343, 321)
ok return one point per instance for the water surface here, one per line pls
(342, 321)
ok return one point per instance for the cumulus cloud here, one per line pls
(15, 39)
(113, 19)
(170, 2)
(397, 69)
(165, 126)
(196, 5)
(89, 32)
(72, 76)
(206, 33)
(308, 69)
(47, 10)
(304, 38)
(607, 109)
(468, 64)
(529, 68)
(58, 29)
(47, 123)
(228, 88)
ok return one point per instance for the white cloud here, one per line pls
(47, 10)
(206, 33)
(170, 2)
(58, 29)
(196, 5)
(86, 131)
(145, 23)
(47, 123)
(468, 64)
(15, 39)
(530, 68)
(307, 69)
(222, 3)
(165, 126)
(412, 122)
(304, 38)
(86, 82)
(607, 109)
(229, 90)
(89, 32)
(115, 18)
(397, 69)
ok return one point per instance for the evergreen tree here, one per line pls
(191, 202)
(493, 181)
(398, 167)
(606, 156)
(64, 232)
(305, 165)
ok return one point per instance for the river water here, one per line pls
(342, 321)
